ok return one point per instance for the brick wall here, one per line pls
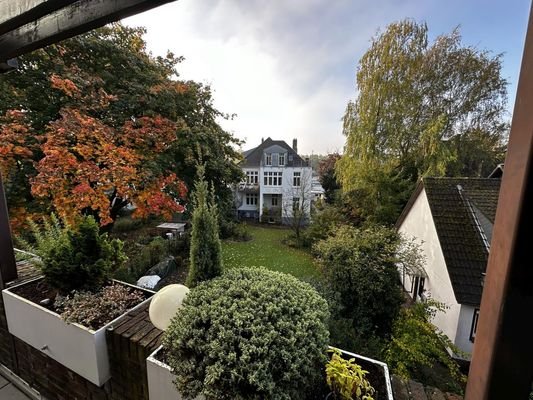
(5, 339)
(130, 342)
(52, 379)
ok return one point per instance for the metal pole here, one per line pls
(502, 361)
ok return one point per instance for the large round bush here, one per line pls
(249, 334)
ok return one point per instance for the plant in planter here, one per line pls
(76, 264)
(249, 334)
(81, 259)
(346, 379)
(94, 310)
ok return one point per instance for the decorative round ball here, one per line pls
(165, 304)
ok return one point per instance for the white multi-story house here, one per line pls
(278, 183)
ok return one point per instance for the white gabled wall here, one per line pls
(419, 224)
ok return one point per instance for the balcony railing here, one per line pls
(248, 187)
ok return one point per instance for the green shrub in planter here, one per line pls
(249, 334)
(81, 259)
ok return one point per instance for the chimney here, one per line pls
(295, 145)
(262, 140)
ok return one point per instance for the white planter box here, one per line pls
(78, 348)
(381, 365)
(160, 386)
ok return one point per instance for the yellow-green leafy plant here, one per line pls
(346, 379)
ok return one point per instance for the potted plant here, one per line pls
(66, 312)
(346, 379)
(251, 333)
(346, 371)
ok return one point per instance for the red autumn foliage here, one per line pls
(14, 148)
(89, 165)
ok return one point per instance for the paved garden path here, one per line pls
(10, 392)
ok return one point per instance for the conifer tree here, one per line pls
(206, 251)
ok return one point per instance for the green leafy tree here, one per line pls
(417, 101)
(206, 250)
(417, 344)
(359, 266)
(477, 154)
(326, 175)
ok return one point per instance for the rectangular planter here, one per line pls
(381, 365)
(160, 386)
(78, 348)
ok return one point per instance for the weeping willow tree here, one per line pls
(415, 100)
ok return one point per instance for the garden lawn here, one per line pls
(266, 249)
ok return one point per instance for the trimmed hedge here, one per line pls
(249, 334)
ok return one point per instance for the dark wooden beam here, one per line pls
(15, 13)
(62, 23)
(502, 361)
(8, 266)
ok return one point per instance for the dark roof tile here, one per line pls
(462, 244)
(253, 157)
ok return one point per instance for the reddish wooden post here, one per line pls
(502, 361)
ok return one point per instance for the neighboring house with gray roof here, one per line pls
(452, 220)
(278, 181)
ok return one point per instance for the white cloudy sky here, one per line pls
(287, 67)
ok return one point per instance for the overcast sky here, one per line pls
(287, 67)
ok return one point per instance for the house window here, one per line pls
(251, 199)
(417, 286)
(295, 203)
(274, 200)
(281, 159)
(272, 178)
(252, 177)
(268, 160)
(297, 179)
(473, 329)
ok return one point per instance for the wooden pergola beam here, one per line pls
(502, 361)
(14, 14)
(45, 23)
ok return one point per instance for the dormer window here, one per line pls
(281, 159)
(268, 159)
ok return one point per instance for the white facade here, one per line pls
(275, 187)
(456, 322)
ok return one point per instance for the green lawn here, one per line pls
(266, 249)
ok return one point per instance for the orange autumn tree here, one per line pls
(94, 168)
(16, 152)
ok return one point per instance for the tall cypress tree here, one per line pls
(206, 251)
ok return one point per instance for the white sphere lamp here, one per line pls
(165, 304)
